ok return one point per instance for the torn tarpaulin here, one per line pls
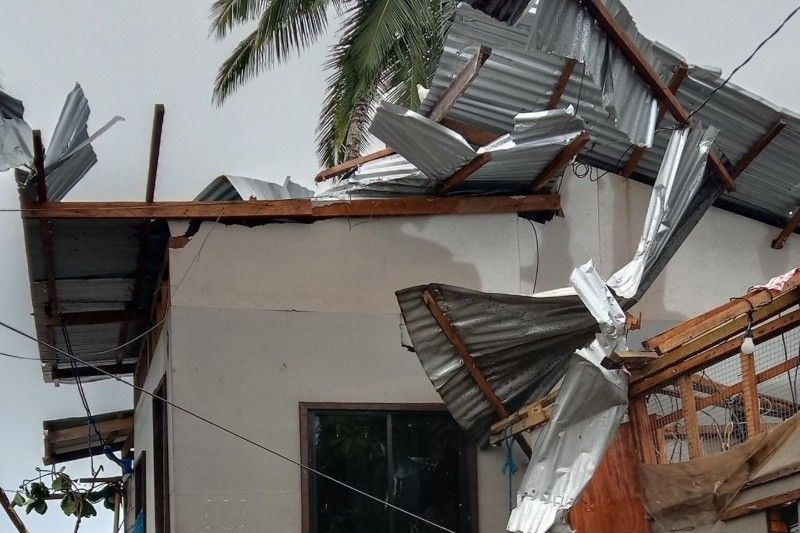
(586, 415)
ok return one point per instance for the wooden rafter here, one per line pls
(302, 208)
(351, 164)
(668, 99)
(561, 84)
(470, 365)
(472, 134)
(758, 147)
(706, 358)
(559, 162)
(86, 372)
(462, 80)
(787, 230)
(464, 172)
(675, 83)
(84, 318)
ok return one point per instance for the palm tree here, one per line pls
(385, 49)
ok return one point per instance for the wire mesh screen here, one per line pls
(733, 400)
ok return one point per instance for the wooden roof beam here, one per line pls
(85, 318)
(675, 83)
(463, 173)
(559, 162)
(470, 365)
(561, 84)
(300, 208)
(351, 164)
(668, 99)
(758, 147)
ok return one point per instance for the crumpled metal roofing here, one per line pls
(520, 77)
(10, 107)
(517, 158)
(70, 155)
(16, 138)
(233, 188)
(523, 343)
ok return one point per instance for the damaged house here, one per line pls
(499, 322)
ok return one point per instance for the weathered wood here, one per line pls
(561, 84)
(452, 334)
(708, 357)
(84, 318)
(295, 208)
(790, 227)
(675, 83)
(620, 37)
(12, 513)
(758, 147)
(628, 358)
(155, 150)
(472, 134)
(559, 162)
(752, 413)
(82, 432)
(460, 83)
(85, 371)
(661, 446)
(464, 172)
(642, 423)
(351, 164)
(759, 505)
(704, 339)
(701, 324)
(529, 417)
(613, 501)
(689, 409)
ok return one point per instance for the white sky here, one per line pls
(131, 55)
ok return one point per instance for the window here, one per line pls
(139, 492)
(414, 456)
(161, 459)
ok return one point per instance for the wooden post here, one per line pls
(644, 429)
(752, 413)
(661, 446)
(690, 420)
(116, 512)
(12, 513)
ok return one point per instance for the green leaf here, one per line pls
(61, 483)
(40, 506)
(18, 501)
(39, 491)
(69, 504)
(110, 502)
(95, 496)
(88, 510)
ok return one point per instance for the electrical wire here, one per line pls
(743, 63)
(226, 430)
(536, 236)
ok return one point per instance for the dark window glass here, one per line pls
(415, 460)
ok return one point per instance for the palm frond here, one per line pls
(286, 27)
(225, 14)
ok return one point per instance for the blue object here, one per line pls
(510, 468)
(139, 524)
(125, 464)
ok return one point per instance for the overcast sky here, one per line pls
(131, 55)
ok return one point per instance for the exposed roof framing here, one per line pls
(561, 84)
(559, 162)
(790, 227)
(350, 164)
(668, 99)
(68, 439)
(301, 209)
(464, 172)
(469, 363)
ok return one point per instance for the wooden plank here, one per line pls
(351, 164)
(628, 358)
(461, 81)
(675, 83)
(559, 161)
(12, 513)
(155, 151)
(84, 318)
(642, 423)
(752, 412)
(689, 409)
(472, 134)
(469, 363)
(718, 334)
(613, 501)
(760, 505)
(295, 208)
(661, 446)
(86, 372)
(790, 227)
(561, 84)
(701, 324)
(708, 357)
(758, 147)
(529, 417)
(464, 172)
(82, 432)
(619, 36)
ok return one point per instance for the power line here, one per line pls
(226, 430)
(745, 62)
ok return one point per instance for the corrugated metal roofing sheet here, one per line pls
(519, 77)
(234, 188)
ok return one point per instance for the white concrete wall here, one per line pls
(272, 316)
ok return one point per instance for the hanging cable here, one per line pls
(230, 432)
(536, 236)
(743, 63)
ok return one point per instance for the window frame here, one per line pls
(307, 408)
(161, 463)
